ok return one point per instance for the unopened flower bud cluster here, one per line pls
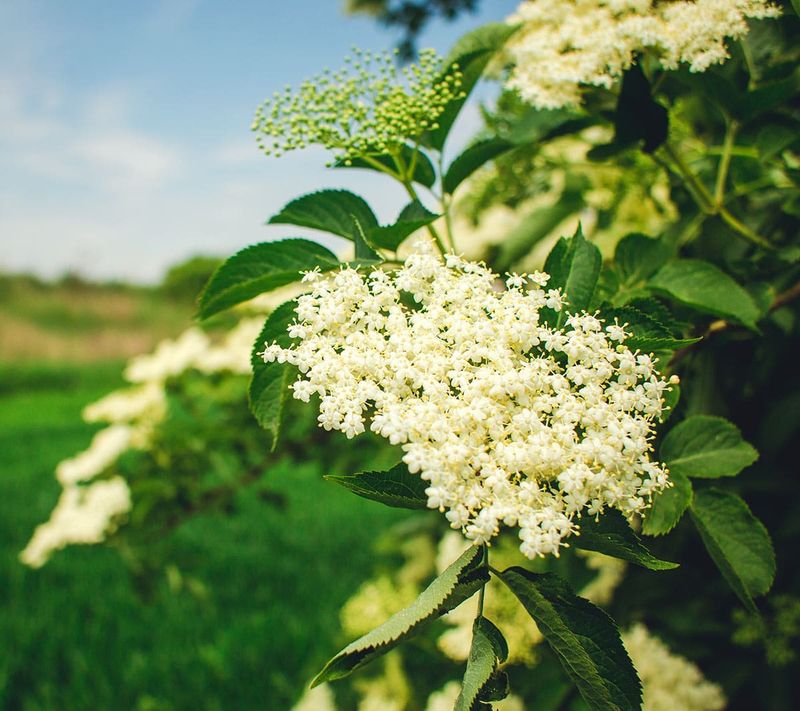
(367, 107)
(564, 44)
(511, 421)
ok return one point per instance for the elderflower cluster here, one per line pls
(669, 681)
(563, 44)
(510, 419)
(368, 107)
(82, 515)
(87, 510)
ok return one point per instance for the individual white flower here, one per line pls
(565, 44)
(669, 681)
(511, 421)
(84, 514)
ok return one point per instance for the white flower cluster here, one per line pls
(669, 681)
(563, 44)
(82, 515)
(88, 510)
(511, 421)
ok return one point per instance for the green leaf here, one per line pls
(659, 345)
(574, 267)
(488, 650)
(582, 636)
(364, 251)
(612, 535)
(424, 172)
(413, 217)
(534, 228)
(497, 688)
(774, 138)
(262, 267)
(269, 386)
(471, 159)
(668, 506)
(471, 53)
(768, 97)
(334, 211)
(703, 287)
(396, 487)
(642, 326)
(637, 257)
(706, 447)
(737, 542)
(459, 582)
(796, 6)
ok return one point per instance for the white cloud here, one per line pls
(126, 160)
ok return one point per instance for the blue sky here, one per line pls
(124, 126)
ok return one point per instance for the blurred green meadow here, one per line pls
(245, 611)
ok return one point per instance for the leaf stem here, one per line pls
(699, 191)
(707, 203)
(446, 202)
(482, 593)
(405, 179)
(724, 163)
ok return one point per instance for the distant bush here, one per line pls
(187, 279)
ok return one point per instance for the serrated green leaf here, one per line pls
(612, 535)
(459, 582)
(658, 311)
(488, 650)
(269, 386)
(471, 159)
(655, 345)
(737, 542)
(767, 97)
(637, 257)
(334, 211)
(668, 506)
(259, 268)
(413, 217)
(497, 688)
(582, 636)
(706, 447)
(774, 138)
(703, 287)
(533, 228)
(424, 172)
(364, 250)
(471, 53)
(396, 487)
(574, 267)
(642, 326)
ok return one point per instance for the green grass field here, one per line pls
(246, 616)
